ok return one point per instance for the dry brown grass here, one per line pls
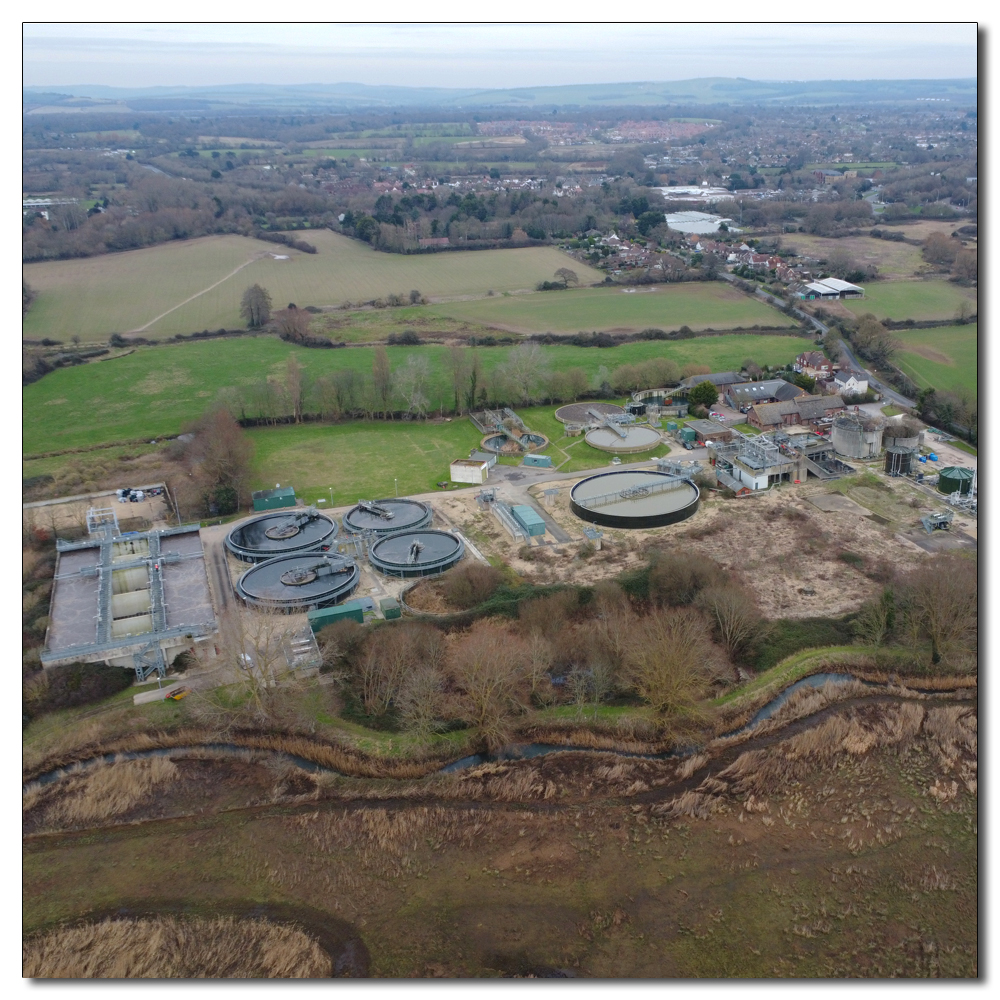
(770, 771)
(86, 742)
(168, 948)
(99, 793)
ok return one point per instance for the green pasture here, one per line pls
(154, 391)
(945, 357)
(375, 459)
(360, 460)
(915, 300)
(699, 305)
(123, 292)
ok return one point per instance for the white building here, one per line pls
(470, 470)
(850, 382)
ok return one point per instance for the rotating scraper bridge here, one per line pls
(294, 568)
(634, 499)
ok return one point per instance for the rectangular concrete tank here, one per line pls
(322, 617)
(273, 499)
(529, 519)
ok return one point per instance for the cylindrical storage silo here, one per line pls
(955, 480)
(857, 436)
(899, 461)
(901, 434)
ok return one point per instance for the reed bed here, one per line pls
(169, 948)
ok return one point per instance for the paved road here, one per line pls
(887, 391)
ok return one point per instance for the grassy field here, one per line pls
(154, 391)
(363, 460)
(668, 307)
(893, 260)
(944, 357)
(912, 300)
(359, 460)
(118, 293)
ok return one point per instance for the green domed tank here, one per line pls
(955, 480)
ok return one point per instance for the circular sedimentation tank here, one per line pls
(385, 516)
(579, 413)
(636, 439)
(416, 553)
(634, 499)
(299, 582)
(281, 532)
(513, 442)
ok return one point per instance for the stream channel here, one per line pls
(521, 751)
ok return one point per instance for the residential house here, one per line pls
(850, 382)
(815, 364)
(808, 409)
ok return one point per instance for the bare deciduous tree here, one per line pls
(293, 323)
(735, 617)
(941, 597)
(488, 663)
(382, 376)
(670, 658)
(293, 386)
(255, 306)
(252, 646)
(459, 368)
(221, 454)
(876, 619)
(411, 383)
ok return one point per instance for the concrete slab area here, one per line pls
(829, 502)
(940, 541)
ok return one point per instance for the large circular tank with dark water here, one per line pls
(299, 582)
(385, 516)
(281, 532)
(416, 553)
(634, 499)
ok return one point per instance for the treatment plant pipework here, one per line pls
(416, 553)
(280, 533)
(634, 499)
(299, 582)
(385, 516)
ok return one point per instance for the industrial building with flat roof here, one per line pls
(130, 599)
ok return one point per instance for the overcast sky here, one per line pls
(142, 55)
